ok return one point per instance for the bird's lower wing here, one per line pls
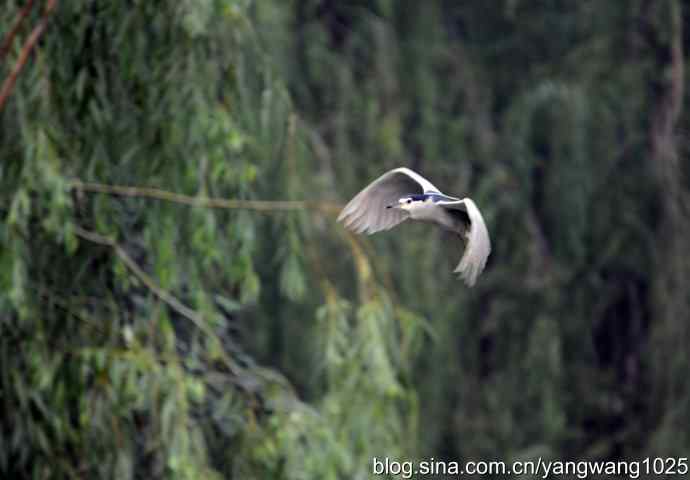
(477, 245)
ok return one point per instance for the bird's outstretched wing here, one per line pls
(477, 243)
(367, 211)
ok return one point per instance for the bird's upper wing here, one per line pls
(425, 184)
(477, 246)
(367, 211)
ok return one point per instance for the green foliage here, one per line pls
(143, 335)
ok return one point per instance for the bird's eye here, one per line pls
(409, 200)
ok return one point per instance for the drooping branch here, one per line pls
(36, 33)
(669, 99)
(167, 297)
(673, 269)
(159, 194)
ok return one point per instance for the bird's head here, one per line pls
(407, 202)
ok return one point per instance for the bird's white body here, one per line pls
(401, 194)
(430, 212)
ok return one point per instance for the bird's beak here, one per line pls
(395, 205)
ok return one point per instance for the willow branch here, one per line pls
(222, 203)
(36, 33)
(167, 297)
(7, 42)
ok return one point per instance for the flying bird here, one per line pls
(401, 194)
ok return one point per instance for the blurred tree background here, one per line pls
(149, 332)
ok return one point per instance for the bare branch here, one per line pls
(9, 82)
(7, 42)
(158, 194)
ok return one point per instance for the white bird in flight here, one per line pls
(401, 194)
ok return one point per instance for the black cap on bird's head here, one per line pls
(408, 199)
